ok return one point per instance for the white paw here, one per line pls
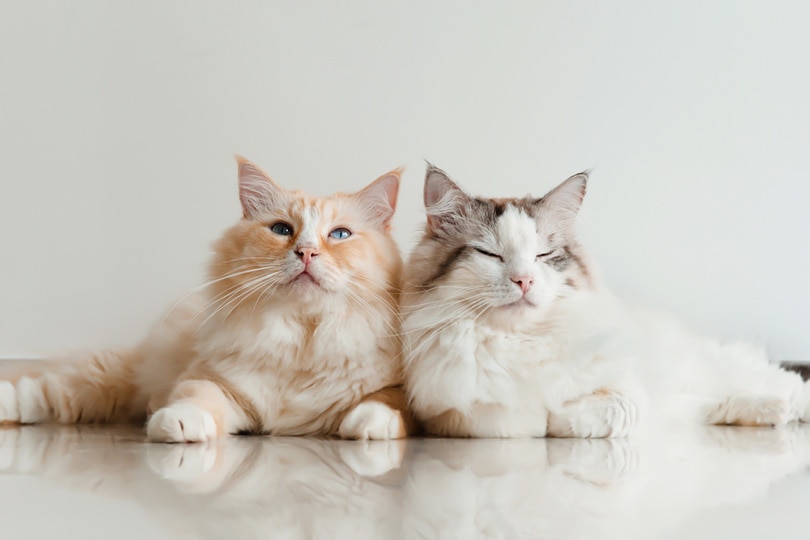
(599, 415)
(372, 458)
(771, 412)
(372, 420)
(9, 411)
(181, 422)
(751, 411)
(31, 399)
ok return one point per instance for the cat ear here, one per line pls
(257, 191)
(565, 200)
(444, 200)
(379, 198)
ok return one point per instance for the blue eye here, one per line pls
(340, 233)
(281, 228)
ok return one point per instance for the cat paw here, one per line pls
(599, 415)
(181, 422)
(372, 458)
(9, 409)
(32, 401)
(372, 420)
(751, 411)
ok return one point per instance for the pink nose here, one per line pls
(306, 253)
(524, 282)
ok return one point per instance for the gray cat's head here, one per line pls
(505, 255)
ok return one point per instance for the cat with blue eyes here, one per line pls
(295, 333)
(507, 332)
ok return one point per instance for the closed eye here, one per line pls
(544, 255)
(488, 254)
(341, 233)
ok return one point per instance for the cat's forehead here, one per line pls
(516, 227)
(488, 212)
(309, 208)
(501, 215)
(499, 206)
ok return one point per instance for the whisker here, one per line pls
(395, 332)
(426, 335)
(441, 309)
(247, 293)
(239, 293)
(224, 294)
(202, 286)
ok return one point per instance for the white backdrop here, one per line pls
(119, 121)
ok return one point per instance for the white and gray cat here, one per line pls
(508, 333)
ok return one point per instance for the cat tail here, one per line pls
(97, 388)
(803, 370)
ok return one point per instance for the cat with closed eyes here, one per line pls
(295, 333)
(507, 332)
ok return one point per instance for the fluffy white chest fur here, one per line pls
(298, 372)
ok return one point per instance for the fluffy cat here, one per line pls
(296, 333)
(507, 332)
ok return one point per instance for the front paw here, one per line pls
(372, 420)
(181, 422)
(750, 411)
(9, 408)
(598, 415)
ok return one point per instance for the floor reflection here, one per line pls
(259, 487)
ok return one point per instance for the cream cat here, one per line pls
(508, 333)
(294, 334)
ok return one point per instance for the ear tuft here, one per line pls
(379, 199)
(444, 199)
(565, 200)
(257, 191)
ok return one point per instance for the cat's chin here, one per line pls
(305, 284)
(519, 305)
(305, 279)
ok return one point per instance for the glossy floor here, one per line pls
(107, 482)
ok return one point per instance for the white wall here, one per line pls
(118, 122)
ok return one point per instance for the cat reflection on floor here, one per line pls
(238, 487)
(257, 487)
(592, 488)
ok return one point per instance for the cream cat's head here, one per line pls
(307, 252)
(509, 258)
